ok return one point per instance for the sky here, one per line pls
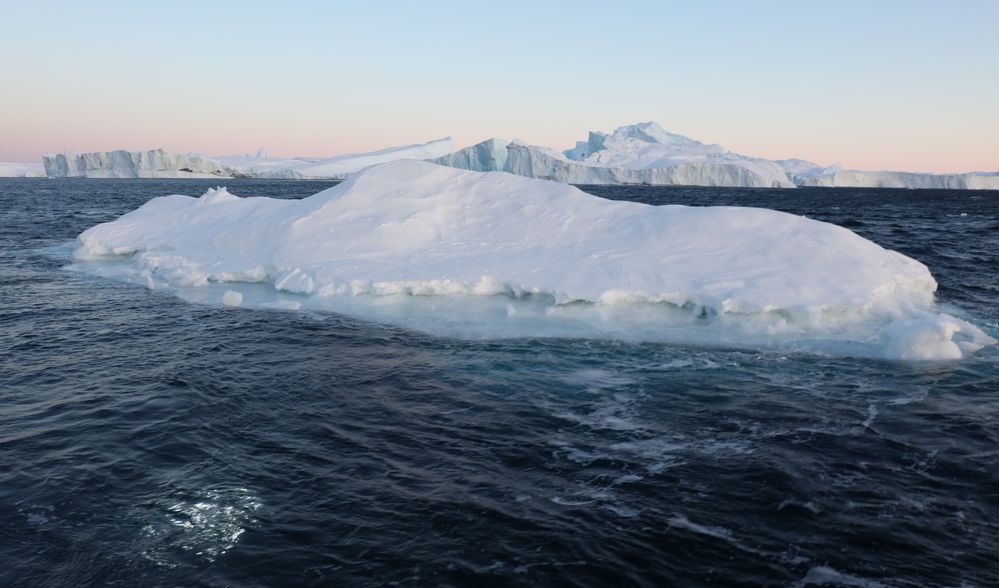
(909, 85)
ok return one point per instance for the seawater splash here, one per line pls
(206, 524)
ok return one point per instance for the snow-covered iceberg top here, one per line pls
(544, 250)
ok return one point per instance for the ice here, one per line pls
(493, 255)
(21, 170)
(232, 299)
(157, 163)
(936, 337)
(338, 167)
(643, 153)
(160, 163)
(835, 177)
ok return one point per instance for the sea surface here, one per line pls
(149, 441)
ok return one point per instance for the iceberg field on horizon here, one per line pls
(486, 255)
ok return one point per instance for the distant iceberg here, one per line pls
(643, 153)
(835, 177)
(157, 163)
(21, 170)
(160, 163)
(338, 167)
(494, 254)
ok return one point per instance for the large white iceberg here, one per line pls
(643, 153)
(21, 170)
(546, 257)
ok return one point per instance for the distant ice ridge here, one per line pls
(156, 163)
(493, 254)
(338, 167)
(21, 170)
(159, 163)
(851, 178)
(643, 153)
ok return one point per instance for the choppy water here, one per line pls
(149, 441)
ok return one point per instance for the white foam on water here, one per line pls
(206, 524)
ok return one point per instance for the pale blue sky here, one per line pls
(877, 84)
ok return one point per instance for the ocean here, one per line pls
(148, 440)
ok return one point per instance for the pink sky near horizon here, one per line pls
(891, 85)
(871, 150)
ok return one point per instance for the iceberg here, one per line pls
(643, 153)
(838, 178)
(339, 167)
(489, 155)
(492, 254)
(157, 163)
(21, 170)
(160, 163)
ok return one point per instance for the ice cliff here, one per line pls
(643, 153)
(157, 163)
(514, 256)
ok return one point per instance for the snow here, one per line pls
(494, 254)
(21, 170)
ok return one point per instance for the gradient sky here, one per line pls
(875, 84)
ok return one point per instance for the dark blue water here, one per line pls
(149, 441)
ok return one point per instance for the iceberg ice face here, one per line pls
(157, 163)
(489, 155)
(647, 146)
(422, 244)
(636, 154)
